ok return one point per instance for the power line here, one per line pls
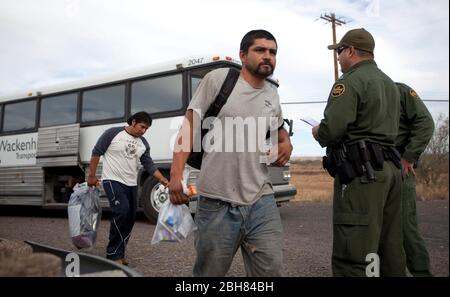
(304, 102)
(321, 101)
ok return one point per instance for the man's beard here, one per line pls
(259, 72)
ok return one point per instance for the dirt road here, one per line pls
(307, 239)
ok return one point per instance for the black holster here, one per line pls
(328, 166)
(376, 155)
(337, 163)
(391, 153)
(345, 172)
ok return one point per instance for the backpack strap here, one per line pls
(224, 93)
(195, 158)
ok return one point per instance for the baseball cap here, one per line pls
(359, 38)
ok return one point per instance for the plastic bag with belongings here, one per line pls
(175, 223)
(84, 215)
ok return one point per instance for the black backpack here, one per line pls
(195, 158)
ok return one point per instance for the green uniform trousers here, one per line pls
(367, 218)
(417, 257)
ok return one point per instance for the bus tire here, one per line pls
(152, 198)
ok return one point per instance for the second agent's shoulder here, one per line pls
(406, 91)
(403, 88)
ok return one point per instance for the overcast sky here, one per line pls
(44, 42)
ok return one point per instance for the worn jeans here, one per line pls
(223, 228)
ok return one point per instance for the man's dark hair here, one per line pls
(249, 38)
(140, 117)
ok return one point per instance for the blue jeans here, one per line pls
(223, 228)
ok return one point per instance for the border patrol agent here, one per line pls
(416, 130)
(359, 129)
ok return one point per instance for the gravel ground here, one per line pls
(307, 239)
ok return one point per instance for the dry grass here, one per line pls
(314, 184)
(436, 191)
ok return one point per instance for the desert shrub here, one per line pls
(432, 173)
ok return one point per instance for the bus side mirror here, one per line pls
(291, 125)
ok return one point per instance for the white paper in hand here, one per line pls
(310, 121)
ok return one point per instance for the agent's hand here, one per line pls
(93, 181)
(176, 192)
(284, 153)
(407, 168)
(315, 132)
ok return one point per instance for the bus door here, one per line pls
(58, 155)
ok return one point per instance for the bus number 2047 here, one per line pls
(193, 62)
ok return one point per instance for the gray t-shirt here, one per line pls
(233, 166)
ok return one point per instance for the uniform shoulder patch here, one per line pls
(413, 93)
(338, 90)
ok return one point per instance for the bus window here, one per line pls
(103, 103)
(157, 95)
(195, 81)
(1, 116)
(20, 116)
(58, 110)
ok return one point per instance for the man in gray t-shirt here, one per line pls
(236, 207)
(242, 178)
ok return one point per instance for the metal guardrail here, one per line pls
(88, 263)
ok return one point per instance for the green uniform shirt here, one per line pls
(416, 125)
(364, 104)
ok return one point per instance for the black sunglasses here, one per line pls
(340, 49)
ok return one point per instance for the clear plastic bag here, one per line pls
(175, 223)
(84, 213)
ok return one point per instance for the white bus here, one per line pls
(47, 135)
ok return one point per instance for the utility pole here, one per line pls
(334, 21)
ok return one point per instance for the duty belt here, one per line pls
(359, 158)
